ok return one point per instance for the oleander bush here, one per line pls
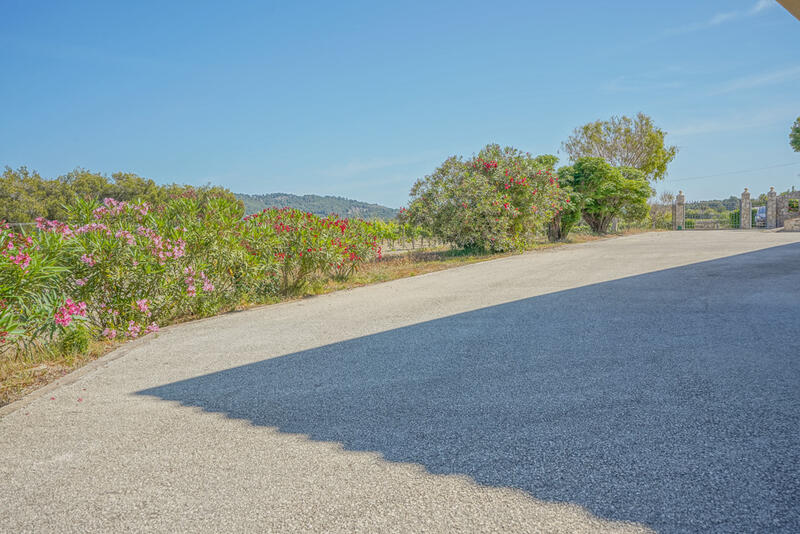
(497, 200)
(116, 269)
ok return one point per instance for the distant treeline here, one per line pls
(317, 205)
(25, 195)
(729, 204)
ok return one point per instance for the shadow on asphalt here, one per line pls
(670, 398)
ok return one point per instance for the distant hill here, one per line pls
(318, 205)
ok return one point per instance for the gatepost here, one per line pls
(679, 212)
(772, 208)
(745, 215)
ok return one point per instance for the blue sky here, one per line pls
(360, 99)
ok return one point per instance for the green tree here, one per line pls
(129, 186)
(605, 192)
(794, 135)
(24, 195)
(624, 142)
(85, 184)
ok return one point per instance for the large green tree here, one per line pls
(794, 135)
(624, 142)
(605, 192)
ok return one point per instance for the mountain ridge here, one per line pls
(317, 204)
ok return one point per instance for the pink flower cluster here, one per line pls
(110, 333)
(22, 259)
(53, 226)
(134, 330)
(191, 289)
(143, 307)
(163, 248)
(115, 207)
(208, 287)
(64, 314)
(88, 259)
(126, 235)
(92, 227)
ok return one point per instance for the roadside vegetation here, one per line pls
(105, 260)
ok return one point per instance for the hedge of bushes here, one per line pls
(123, 269)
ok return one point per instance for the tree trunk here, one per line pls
(554, 229)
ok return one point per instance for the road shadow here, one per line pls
(670, 398)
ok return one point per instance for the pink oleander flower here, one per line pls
(191, 289)
(124, 234)
(22, 260)
(114, 207)
(62, 317)
(208, 287)
(110, 333)
(93, 227)
(133, 329)
(152, 328)
(88, 260)
(178, 248)
(65, 313)
(143, 306)
(81, 281)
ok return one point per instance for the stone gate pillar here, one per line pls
(772, 208)
(679, 212)
(745, 217)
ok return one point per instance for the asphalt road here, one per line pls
(645, 382)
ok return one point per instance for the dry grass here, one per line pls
(21, 375)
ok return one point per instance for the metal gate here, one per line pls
(713, 215)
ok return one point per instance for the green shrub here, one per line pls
(75, 341)
(494, 201)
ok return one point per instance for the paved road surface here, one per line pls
(646, 382)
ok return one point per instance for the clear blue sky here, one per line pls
(361, 98)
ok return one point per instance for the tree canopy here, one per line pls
(794, 135)
(624, 142)
(606, 192)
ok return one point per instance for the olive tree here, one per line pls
(624, 142)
